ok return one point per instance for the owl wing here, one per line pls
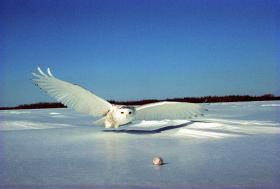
(71, 95)
(167, 110)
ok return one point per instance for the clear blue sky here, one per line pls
(139, 49)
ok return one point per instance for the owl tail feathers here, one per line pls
(100, 122)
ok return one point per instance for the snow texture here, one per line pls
(235, 145)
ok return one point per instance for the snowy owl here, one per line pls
(84, 101)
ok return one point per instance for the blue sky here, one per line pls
(139, 49)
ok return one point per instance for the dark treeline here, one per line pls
(39, 105)
(205, 99)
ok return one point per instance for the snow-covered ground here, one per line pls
(235, 145)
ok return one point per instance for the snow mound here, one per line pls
(222, 128)
(270, 105)
(23, 125)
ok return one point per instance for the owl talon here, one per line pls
(108, 124)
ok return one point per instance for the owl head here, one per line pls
(124, 114)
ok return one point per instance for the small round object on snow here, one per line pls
(158, 161)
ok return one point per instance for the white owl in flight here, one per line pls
(84, 101)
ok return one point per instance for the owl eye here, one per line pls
(129, 112)
(122, 112)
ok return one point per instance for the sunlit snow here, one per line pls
(235, 145)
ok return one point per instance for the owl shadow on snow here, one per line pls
(154, 131)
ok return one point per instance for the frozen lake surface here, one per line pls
(235, 145)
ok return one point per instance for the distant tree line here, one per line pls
(39, 105)
(205, 99)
